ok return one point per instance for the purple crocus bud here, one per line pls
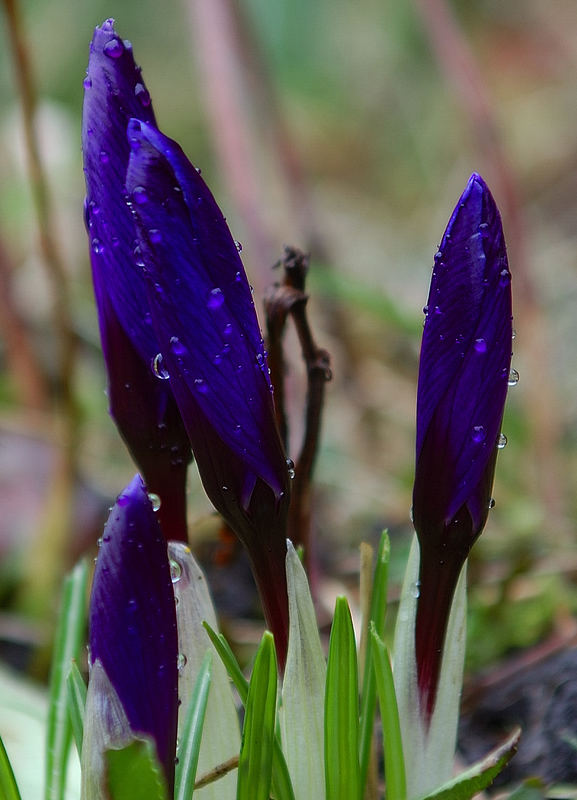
(204, 317)
(463, 378)
(133, 636)
(141, 403)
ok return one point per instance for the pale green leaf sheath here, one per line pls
(429, 751)
(302, 710)
(221, 733)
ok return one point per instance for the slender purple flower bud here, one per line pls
(133, 636)
(212, 348)
(463, 378)
(141, 403)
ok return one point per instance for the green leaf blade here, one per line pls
(258, 736)
(191, 734)
(68, 645)
(8, 785)
(134, 772)
(393, 743)
(342, 771)
(76, 701)
(476, 779)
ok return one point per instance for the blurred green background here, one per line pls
(348, 129)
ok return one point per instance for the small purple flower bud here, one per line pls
(463, 378)
(132, 622)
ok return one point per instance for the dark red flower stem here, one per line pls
(438, 579)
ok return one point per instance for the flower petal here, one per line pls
(133, 621)
(464, 366)
(114, 92)
(202, 306)
(141, 405)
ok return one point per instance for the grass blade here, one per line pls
(393, 743)
(68, 644)
(191, 734)
(222, 647)
(8, 785)
(258, 736)
(377, 617)
(76, 701)
(342, 710)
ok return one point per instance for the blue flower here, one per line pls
(142, 407)
(463, 379)
(133, 636)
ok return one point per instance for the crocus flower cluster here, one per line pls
(184, 353)
(463, 378)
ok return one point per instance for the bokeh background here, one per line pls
(348, 129)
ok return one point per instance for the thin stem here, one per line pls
(289, 297)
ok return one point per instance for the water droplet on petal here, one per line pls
(114, 48)
(140, 195)
(215, 299)
(291, 468)
(238, 246)
(104, 157)
(142, 94)
(513, 333)
(87, 83)
(175, 570)
(480, 345)
(154, 235)
(155, 501)
(502, 441)
(158, 368)
(513, 379)
(416, 589)
(177, 346)
(181, 660)
(478, 434)
(504, 277)
(492, 503)
(200, 385)
(97, 246)
(122, 500)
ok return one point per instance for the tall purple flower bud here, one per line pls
(204, 317)
(463, 378)
(133, 636)
(141, 404)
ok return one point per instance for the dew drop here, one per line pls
(492, 503)
(87, 83)
(104, 157)
(513, 379)
(158, 368)
(291, 468)
(141, 92)
(154, 235)
(478, 434)
(140, 195)
(181, 661)
(114, 48)
(502, 441)
(175, 571)
(122, 500)
(177, 346)
(480, 345)
(513, 333)
(504, 277)
(238, 246)
(155, 501)
(416, 589)
(215, 299)
(97, 246)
